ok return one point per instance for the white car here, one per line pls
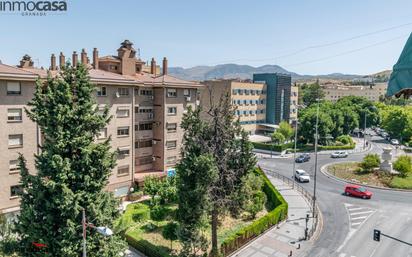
(339, 154)
(302, 176)
(395, 142)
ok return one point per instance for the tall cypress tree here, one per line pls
(72, 171)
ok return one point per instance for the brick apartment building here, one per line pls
(147, 107)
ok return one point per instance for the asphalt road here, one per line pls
(349, 222)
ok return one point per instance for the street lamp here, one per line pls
(316, 157)
(372, 108)
(105, 231)
(294, 151)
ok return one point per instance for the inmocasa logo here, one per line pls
(33, 8)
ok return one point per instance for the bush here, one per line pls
(135, 196)
(169, 232)
(345, 139)
(260, 225)
(370, 161)
(165, 189)
(403, 165)
(141, 213)
(158, 212)
(147, 248)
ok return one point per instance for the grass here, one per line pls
(352, 172)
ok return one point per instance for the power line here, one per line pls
(320, 45)
(347, 52)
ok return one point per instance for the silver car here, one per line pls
(302, 176)
(339, 154)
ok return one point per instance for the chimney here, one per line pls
(62, 60)
(75, 59)
(26, 62)
(53, 62)
(153, 66)
(164, 66)
(95, 58)
(83, 57)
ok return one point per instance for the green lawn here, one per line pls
(403, 183)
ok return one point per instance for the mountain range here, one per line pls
(228, 71)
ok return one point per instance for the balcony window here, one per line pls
(234, 91)
(123, 170)
(144, 143)
(145, 160)
(171, 127)
(171, 111)
(147, 92)
(171, 92)
(171, 160)
(16, 140)
(102, 134)
(13, 88)
(122, 112)
(123, 131)
(123, 91)
(186, 92)
(14, 115)
(101, 91)
(145, 126)
(123, 151)
(171, 144)
(15, 191)
(144, 109)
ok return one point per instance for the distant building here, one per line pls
(294, 97)
(333, 92)
(278, 95)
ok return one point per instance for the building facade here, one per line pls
(333, 92)
(278, 95)
(146, 108)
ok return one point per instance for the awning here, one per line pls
(272, 126)
(400, 81)
(259, 139)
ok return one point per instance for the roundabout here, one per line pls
(348, 222)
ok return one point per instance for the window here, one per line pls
(171, 127)
(13, 88)
(145, 160)
(123, 91)
(239, 102)
(101, 91)
(16, 140)
(14, 115)
(122, 112)
(145, 126)
(123, 170)
(13, 165)
(251, 102)
(186, 92)
(144, 109)
(234, 91)
(143, 144)
(262, 101)
(146, 92)
(123, 151)
(171, 111)
(100, 109)
(121, 191)
(123, 131)
(102, 134)
(171, 160)
(171, 93)
(15, 190)
(113, 67)
(240, 91)
(171, 144)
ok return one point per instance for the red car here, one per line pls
(358, 191)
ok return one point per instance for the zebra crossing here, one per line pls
(358, 215)
(344, 255)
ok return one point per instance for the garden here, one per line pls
(367, 172)
(151, 225)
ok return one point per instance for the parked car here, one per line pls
(339, 154)
(303, 158)
(357, 191)
(394, 142)
(302, 176)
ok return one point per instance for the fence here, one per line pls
(304, 192)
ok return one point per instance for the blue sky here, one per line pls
(200, 32)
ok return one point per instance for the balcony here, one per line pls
(139, 117)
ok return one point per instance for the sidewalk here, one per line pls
(280, 241)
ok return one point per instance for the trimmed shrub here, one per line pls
(146, 247)
(135, 195)
(141, 213)
(403, 165)
(370, 161)
(345, 139)
(158, 212)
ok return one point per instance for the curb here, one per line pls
(324, 171)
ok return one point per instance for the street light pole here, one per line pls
(294, 152)
(316, 158)
(364, 131)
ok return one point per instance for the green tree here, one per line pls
(170, 231)
(286, 130)
(397, 121)
(278, 137)
(72, 171)
(308, 124)
(312, 92)
(370, 161)
(251, 192)
(403, 165)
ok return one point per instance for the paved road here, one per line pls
(349, 222)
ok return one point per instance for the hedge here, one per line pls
(301, 148)
(262, 224)
(272, 147)
(146, 247)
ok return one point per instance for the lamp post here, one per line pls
(105, 231)
(316, 157)
(294, 151)
(364, 131)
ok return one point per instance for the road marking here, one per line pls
(359, 218)
(355, 209)
(362, 212)
(356, 223)
(342, 255)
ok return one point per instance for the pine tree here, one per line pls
(72, 171)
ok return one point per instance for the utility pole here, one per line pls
(364, 131)
(294, 152)
(316, 159)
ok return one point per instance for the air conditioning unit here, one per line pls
(188, 98)
(150, 115)
(154, 158)
(197, 102)
(117, 95)
(151, 97)
(154, 142)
